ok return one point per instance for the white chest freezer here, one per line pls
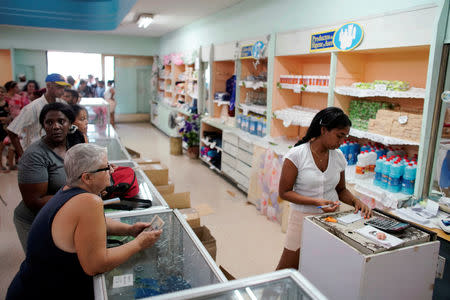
(343, 264)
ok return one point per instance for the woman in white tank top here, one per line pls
(313, 175)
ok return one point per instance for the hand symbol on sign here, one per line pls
(347, 36)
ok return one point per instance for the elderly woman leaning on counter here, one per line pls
(67, 241)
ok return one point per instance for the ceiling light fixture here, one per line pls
(144, 20)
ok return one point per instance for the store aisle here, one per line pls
(247, 243)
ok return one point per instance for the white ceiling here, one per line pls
(169, 15)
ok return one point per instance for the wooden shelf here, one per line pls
(221, 72)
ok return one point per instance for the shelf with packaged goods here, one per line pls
(212, 145)
(221, 72)
(211, 166)
(381, 70)
(287, 96)
(253, 84)
(257, 109)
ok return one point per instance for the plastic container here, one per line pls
(395, 174)
(385, 174)
(378, 171)
(345, 149)
(409, 179)
(360, 169)
(372, 161)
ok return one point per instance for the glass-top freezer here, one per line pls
(146, 189)
(98, 114)
(116, 151)
(285, 284)
(176, 262)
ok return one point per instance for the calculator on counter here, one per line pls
(387, 225)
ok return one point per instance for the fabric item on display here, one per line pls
(124, 184)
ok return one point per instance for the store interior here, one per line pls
(210, 99)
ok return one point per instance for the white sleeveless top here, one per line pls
(312, 182)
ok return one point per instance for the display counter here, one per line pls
(285, 284)
(116, 151)
(176, 262)
(98, 114)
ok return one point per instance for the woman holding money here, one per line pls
(313, 178)
(67, 241)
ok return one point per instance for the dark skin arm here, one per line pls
(347, 197)
(16, 143)
(288, 177)
(34, 195)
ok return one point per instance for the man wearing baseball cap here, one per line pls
(26, 124)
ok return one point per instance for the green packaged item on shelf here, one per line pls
(391, 85)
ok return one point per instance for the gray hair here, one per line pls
(82, 158)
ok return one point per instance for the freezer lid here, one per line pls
(287, 284)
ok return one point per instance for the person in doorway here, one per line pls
(313, 175)
(27, 122)
(110, 96)
(100, 89)
(71, 96)
(22, 81)
(83, 89)
(29, 89)
(67, 241)
(71, 81)
(41, 169)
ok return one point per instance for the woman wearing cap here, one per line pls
(67, 242)
(26, 124)
(313, 178)
(41, 169)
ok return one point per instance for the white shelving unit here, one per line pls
(386, 140)
(308, 88)
(259, 109)
(413, 92)
(253, 84)
(210, 145)
(211, 166)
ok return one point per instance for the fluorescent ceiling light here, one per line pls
(144, 20)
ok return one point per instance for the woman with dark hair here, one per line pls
(29, 89)
(41, 168)
(81, 122)
(313, 175)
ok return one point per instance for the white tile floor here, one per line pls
(247, 243)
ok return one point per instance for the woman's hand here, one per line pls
(137, 228)
(331, 206)
(148, 238)
(365, 210)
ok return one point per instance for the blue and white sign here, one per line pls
(257, 50)
(321, 41)
(246, 51)
(348, 37)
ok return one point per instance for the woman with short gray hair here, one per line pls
(67, 241)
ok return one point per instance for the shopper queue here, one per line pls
(60, 220)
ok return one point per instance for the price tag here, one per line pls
(122, 281)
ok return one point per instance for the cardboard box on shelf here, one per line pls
(204, 235)
(157, 173)
(178, 200)
(192, 216)
(169, 188)
(144, 161)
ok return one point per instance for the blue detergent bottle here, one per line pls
(385, 174)
(409, 179)
(395, 174)
(378, 171)
(345, 149)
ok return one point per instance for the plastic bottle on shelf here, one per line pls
(352, 153)
(364, 147)
(345, 147)
(259, 126)
(360, 166)
(390, 152)
(264, 127)
(385, 173)
(378, 171)
(372, 161)
(395, 175)
(238, 121)
(409, 179)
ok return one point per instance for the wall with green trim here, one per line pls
(253, 18)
